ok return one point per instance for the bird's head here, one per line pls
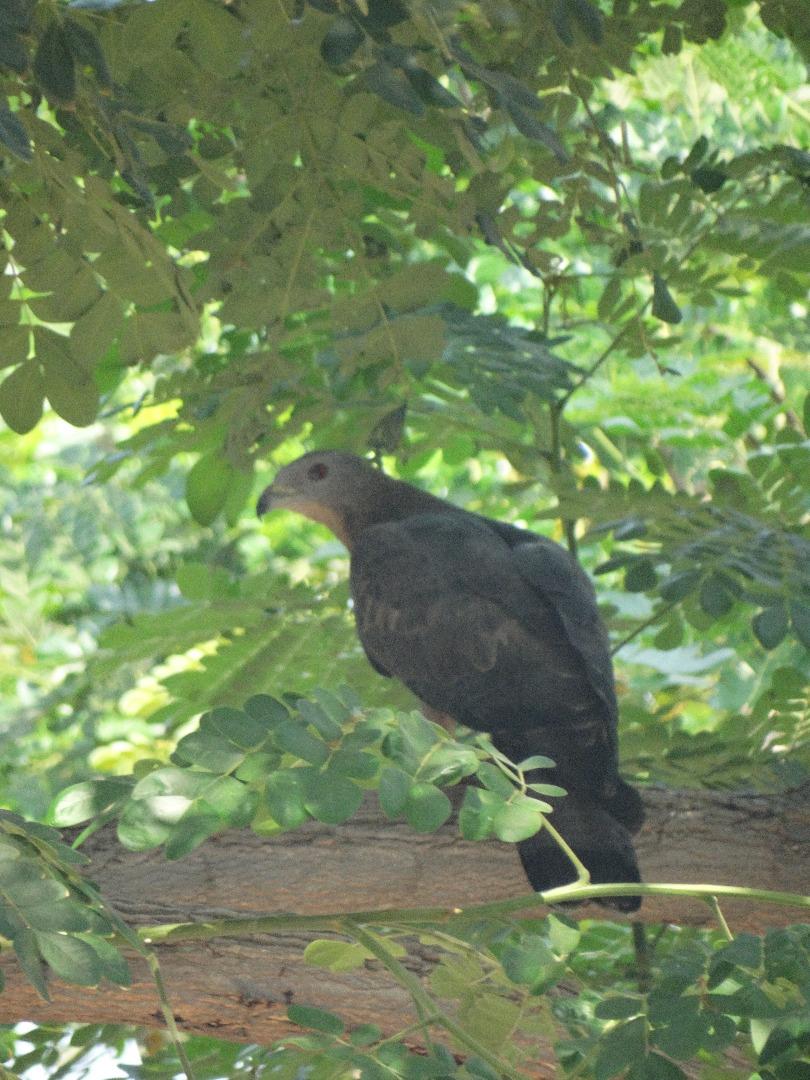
(325, 485)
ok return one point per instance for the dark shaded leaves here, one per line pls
(390, 84)
(16, 14)
(86, 49)
(664, 306)
(13, 52)
(340, 42)
(53, 65)
(770, 626)
(13, 135)
(21, 395)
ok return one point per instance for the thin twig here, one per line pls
(641, 949)
(168, 1015)
(656, 615)
(420, 997)
(718, 914)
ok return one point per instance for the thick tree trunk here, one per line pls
(239, 988)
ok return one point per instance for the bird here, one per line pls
(491, 626)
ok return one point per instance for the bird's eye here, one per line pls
(317, 471)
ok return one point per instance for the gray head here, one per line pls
(329, 486)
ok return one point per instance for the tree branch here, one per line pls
(239, 987)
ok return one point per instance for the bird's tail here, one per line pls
(599, 834)
(626, 807)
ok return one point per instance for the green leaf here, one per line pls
(392, 86)
(87, 800)
(672, 40)
(70, 390)
(58, 916)
(561, 21)
(195, 826)
(365, 1035)
(770, 626)
(618, 1008)
(70, 958)
(476, 819)
(86, 48)
(708, 179)
(552, 791)
(21, 395)
(207, 487)
(313, 714)
(494, 779)
(611, 294)
(426, 808)
(113, 966)
(590, 18)
(355, 763)
(800, 621)
(620, 1048)
(453, 976)
(744, 951)
(209, 751)
(12, 133)
(53, 65)
(640, 576)
(247, 730)
(528, 962)
(563, 935)
(27, 950)
(664, 306)
(715, 598)
(700, 148)
(292, 736)
(94, 331)
(319, 1019)
(139, 830)
(13, 51)
(336, 955)
(393, 790)
(267, 710)
(284, 797)
(430, 90)
(490, 1018)
(533, 128)
(684, 1036)
(536, 761)
(680, 585)
(332, 798)
(656, 1067)
(518, 820)
(341, 41)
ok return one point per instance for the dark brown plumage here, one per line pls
(493, 626)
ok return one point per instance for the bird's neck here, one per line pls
(392, 500)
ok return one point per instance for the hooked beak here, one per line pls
(265, 501)
(272, 497)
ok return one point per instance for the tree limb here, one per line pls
(240, 988)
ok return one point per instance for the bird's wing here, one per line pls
(445, 605)
(558, 578)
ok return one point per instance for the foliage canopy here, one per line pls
(529, 253)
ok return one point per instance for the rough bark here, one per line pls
(239, 988)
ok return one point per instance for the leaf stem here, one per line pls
(425, 1003)
(168, 1015)
(718, 914)
(656, 616)
(583, 876)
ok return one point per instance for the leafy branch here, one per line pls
(341, 922)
